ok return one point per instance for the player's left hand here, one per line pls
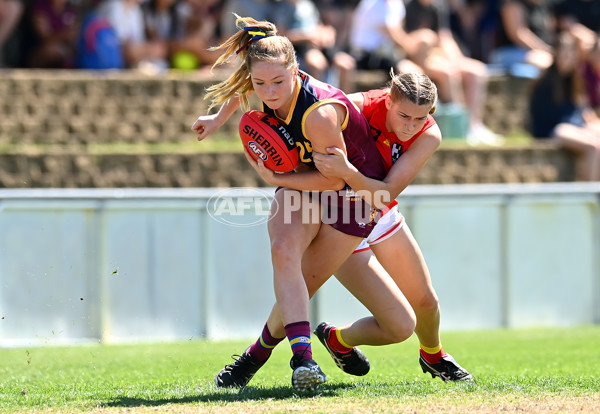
(334, 163)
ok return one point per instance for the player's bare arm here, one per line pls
(323, 129)
(207, 124)
(358, 100)
(403, 172)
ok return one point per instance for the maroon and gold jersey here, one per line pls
(350, 214)
(310, 94)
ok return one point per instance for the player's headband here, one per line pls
(255, 33)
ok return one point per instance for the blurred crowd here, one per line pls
(457, 43)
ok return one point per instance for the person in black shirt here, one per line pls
(557, 112)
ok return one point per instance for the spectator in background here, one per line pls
(474, 24)
(579, 15)
(338, 13)
(314, 42)
(53, 29)
(127, 19)
(377, 37)
(558, 112)
(187, 28)
(460, 80)
(525, 35)
(163, 21)
(201, 19)
(582, 19)
(258, 9)
(591, 76)
(10, 15)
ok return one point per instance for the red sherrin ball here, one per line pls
(266, 138)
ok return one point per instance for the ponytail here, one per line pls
(255, 41)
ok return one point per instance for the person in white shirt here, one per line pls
(377, 39)
(126, 17)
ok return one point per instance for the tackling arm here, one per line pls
(380, 193)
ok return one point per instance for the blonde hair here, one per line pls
(267, 47)
(415, 87)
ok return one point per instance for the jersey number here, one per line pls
(305, 151)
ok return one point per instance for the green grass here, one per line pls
(552, 370)
(188, 144)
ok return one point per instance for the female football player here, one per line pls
(406, 134)
(318, 116)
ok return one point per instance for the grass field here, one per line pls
(219, 142)
(545, 370)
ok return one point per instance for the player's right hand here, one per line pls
(205, 125)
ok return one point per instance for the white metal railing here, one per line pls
(117, 265)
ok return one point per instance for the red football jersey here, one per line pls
(388, 144)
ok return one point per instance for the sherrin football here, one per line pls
(266, 138)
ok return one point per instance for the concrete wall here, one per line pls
(110, 129)
(537, 163)
(121, 265)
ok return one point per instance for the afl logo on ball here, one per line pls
(254, 147)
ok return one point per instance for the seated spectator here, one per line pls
(338, 13)
(474, 24)
(127, 19)
(584, 13)
(300, 21)
(525, 35)
(460, 80)
(200, 31)
(10, 15)
(377, 37)
(98, 45)
(582, 19)
(258, 9)
(54, 26)
(162, 20)
(557, 111)
(591, 76)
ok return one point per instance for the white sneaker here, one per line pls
(480, 134)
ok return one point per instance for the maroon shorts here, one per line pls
(342, 210)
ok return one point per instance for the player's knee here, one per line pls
(427, 303)
(399, 329)
(283, 250)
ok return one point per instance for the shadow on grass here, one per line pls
(232, 395)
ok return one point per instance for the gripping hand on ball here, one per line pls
(259, 166)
